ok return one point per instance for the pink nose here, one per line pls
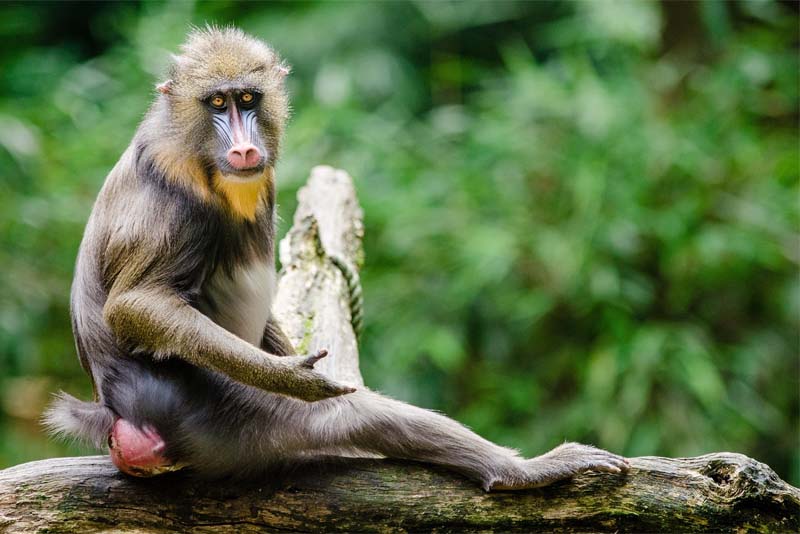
(244, 156)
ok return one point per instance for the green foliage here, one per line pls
(582, 218)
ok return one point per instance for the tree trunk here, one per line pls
(317, 302)
(313, 303)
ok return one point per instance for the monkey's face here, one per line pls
(238, 150)
(227, 103)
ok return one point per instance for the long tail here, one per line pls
(89, 422)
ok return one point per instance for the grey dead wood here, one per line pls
(721, 492)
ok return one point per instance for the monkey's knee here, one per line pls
(138, 451)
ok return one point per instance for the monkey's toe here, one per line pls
(609, 463)
(138, 451)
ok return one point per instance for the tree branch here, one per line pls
(711, 493)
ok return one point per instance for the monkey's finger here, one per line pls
(326, 389)
(314, 358)
(339, 389)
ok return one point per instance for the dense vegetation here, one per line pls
(582, 218)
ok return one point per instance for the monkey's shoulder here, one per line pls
(142, 227)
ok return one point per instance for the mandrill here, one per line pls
(171, 305)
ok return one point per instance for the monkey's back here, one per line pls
(94, 340)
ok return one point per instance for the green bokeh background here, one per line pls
(582, 218)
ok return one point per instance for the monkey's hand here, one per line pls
(317, 386)
(562, 462)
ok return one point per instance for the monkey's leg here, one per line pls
(371, 422)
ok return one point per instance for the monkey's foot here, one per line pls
(564, 461)
(138, 451)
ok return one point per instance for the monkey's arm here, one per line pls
(371, 422)
(155, 318)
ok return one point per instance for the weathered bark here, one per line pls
(313, 299)
(712, 493)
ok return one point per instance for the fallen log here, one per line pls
(720, 492)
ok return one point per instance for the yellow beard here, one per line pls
(243, 198)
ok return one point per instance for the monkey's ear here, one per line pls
(283, 70)
(165, 87)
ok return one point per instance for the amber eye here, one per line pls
(218, 101)
(246, 98)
